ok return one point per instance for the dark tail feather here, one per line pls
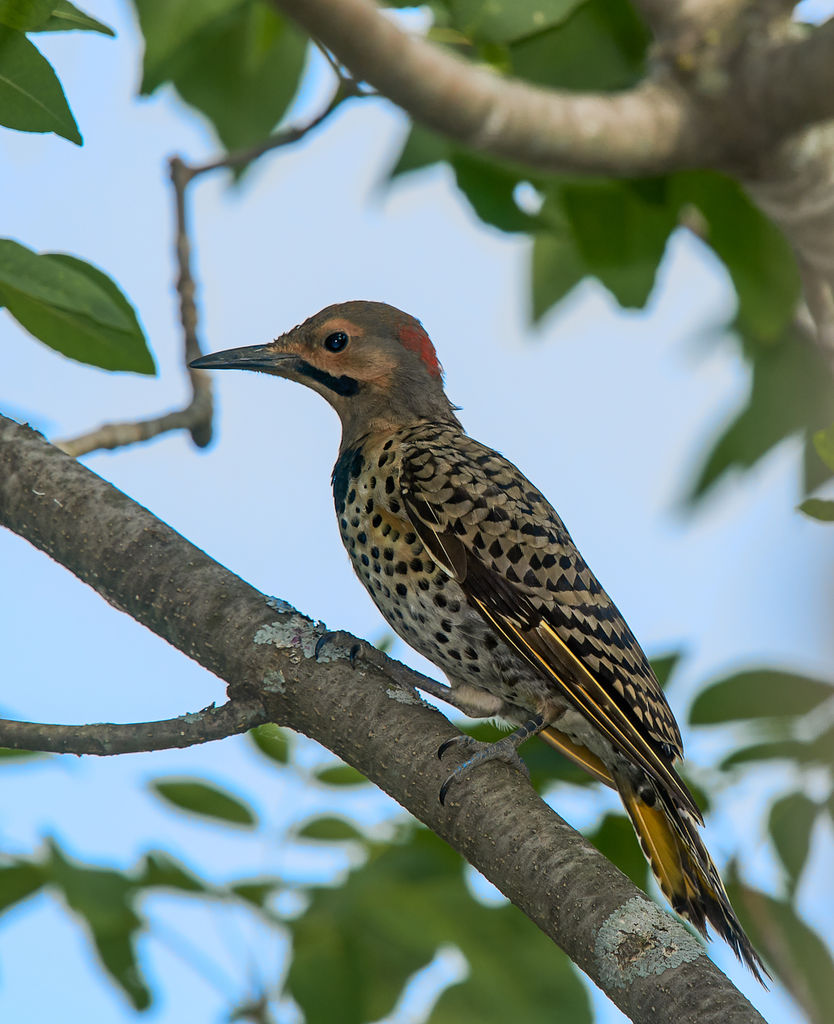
(682, 866)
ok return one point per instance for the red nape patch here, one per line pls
(416, 339)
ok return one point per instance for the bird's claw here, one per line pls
(326, 637)
(502, 750)
(322, 640)
(461, 740)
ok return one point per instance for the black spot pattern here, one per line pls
(451, 485)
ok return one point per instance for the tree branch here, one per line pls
(736, 86)
(105, 738)
(647, 130)
(793, 83)
(674, 20)
(794, 185)
(646, 961)
(772, 84)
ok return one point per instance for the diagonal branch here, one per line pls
(640, 956)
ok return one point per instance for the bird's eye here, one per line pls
(336, 341)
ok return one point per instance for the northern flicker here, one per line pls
(471, 566)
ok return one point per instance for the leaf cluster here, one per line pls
(616, 230)
(782, 719)
(236, 62)
(407, 898)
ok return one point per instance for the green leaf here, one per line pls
(524, 986)
(67, 17)
(819, 751)
(257, 892)
(556, 268)
(73, 307)
(612, 230)
(795, 954)
(385, 642)
(18, 881)
(12, 754)
(505, 21)
(370, 935)
(824, 445)
(489, 188)
(421, 148)
(620, 230)
(25, 15)
(702, 797)
(754, 251)
(241, 70)
(818, 508)
(52, 280)
(31, 97)
(330, 829)
(664, 666)
(168, 26)
(790, 825)
(614, 838)
(791, 394)
(758, 693)
(205, 799)
(160, 870)
(600, 46)
(272, 741)
(340, 775)
(103, 899)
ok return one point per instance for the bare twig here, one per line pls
(105, 738)
(186, 289)
(285, 137)
(119, 435)
(196, 416)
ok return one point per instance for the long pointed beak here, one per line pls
(251, 357)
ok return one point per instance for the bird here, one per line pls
(470, 564)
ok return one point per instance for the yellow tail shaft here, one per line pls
(682, 865)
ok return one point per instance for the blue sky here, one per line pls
(607, 411)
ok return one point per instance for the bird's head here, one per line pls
(373, 363)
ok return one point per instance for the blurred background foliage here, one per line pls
(406, 897)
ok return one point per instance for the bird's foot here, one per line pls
(505, 749)
(337, 636)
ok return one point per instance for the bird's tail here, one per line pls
(682, 865)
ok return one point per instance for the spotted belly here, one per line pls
(423, 605)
